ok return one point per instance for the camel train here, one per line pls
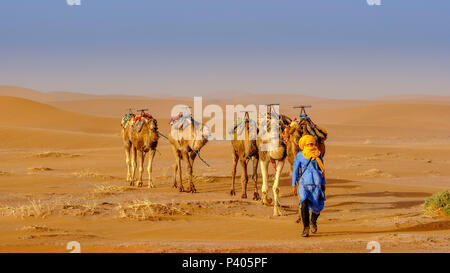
(140, 137)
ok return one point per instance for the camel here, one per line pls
(127, 126)
(243, 151)
(295, 131)
(276, 154)
(187, 139)
(144, 138)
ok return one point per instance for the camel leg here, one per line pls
(175, 172)
(128, 161)
(175, 166)
(265, 187)
(180, 172)
(244, 177)
(187, 159)
(276, 190)
(149, 168)
(233, 173)
(133, 165)
(141, 167)
(255, 178)
(192, 159)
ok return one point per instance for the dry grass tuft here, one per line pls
(39, 169)
(54, 155)
(39, 210)
(143, 210)
(88, 209)
(2, 173)
(34, 209)
(435, 212)
(438, 204)
(36, 228)
(91, 174)
(202, 179)
(108, 189)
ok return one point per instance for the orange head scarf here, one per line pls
(311, 152)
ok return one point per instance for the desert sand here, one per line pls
(62, 179)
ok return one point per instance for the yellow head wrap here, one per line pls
(309, 152)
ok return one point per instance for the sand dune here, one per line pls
(20, 92)
(17, 112)
(403, 111)
(25, 138)
(344, 122)
(160, 108)
(26, 93)
(416, 98)
(404, 115)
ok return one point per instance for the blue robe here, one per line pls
(309, 187)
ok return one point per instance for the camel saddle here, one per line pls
(126, 118)
(182, 122)
(138, 123)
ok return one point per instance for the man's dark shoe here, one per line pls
(305, 232)
(313, 227)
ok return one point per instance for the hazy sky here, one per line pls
(329, 48)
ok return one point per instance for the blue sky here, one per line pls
(329, 48)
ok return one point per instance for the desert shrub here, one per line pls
(145, 210)
(439, 202)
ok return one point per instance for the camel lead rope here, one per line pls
(274, 166)
(162, 135)
(198, 154)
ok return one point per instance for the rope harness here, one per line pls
(198, 154)
(275, 166)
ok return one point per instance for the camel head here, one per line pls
(295, 132)
(152, 124)
(297, 129)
